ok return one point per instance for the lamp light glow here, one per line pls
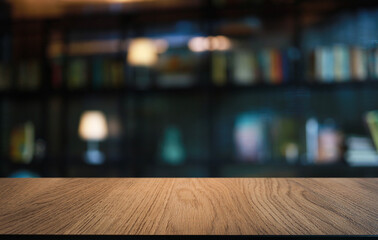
(93, 126)
(224, 43)
(197, 44)
(210, 43)
(161, 45)
(142, 52)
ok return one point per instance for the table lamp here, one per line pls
(142, 54)
(93, 129)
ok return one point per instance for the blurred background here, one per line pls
(175, 88)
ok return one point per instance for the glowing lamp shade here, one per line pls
(142, 52)
(211, 43)
(93, 126)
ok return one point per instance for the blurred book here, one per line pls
(107, 73)
(286, 139)
(106, 78)
(330, 145)
(287, 66)
(245, 69)
(324, 64)
(250, 136)
(80, 47)
(373, 63)
(219, 68)
(98, 73)
(266, 64)
(358, 64)
(117, 73)
(5, 76)
(175, 69)
(276, 66)
(22, 143)
(341, 63)
(312, 133)
(372, 121)
(269, 65)
(323, 142)
(77, 75)
(56, 65)
(361, 152)
(29, 75)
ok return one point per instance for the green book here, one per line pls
(266, 68)
(77, 74)
(219, 68)
(34, 75)
(341, 63)
(244, 68)
(116, 73)
(22, 143)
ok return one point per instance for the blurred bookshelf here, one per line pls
(237, 88)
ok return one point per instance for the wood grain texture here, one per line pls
(247, 206)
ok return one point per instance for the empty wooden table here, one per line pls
(189, 206)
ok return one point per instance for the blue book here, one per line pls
(285, 66)
(326, 61)
(265, 60)
(77, 73)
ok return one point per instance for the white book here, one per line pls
(324, 64)
(244, 68)
(318, 55)
(341, 63)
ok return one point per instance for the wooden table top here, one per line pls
(190, 206)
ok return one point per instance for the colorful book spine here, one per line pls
(324, 64)
(56, 73)
(373, 63)
(29, 75)
(35, 72)
(254, 65)
(219, 68)
(276, 66)
(5, 78)
(116, 73)
(250, 137)
(77, 74)
(266, 63)
(269, 65)
(97, 73)
(341, 63)
(107, 81)
(285, 66)
(22, 143)
(372, 120)
(244, 66)
(358, 64)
